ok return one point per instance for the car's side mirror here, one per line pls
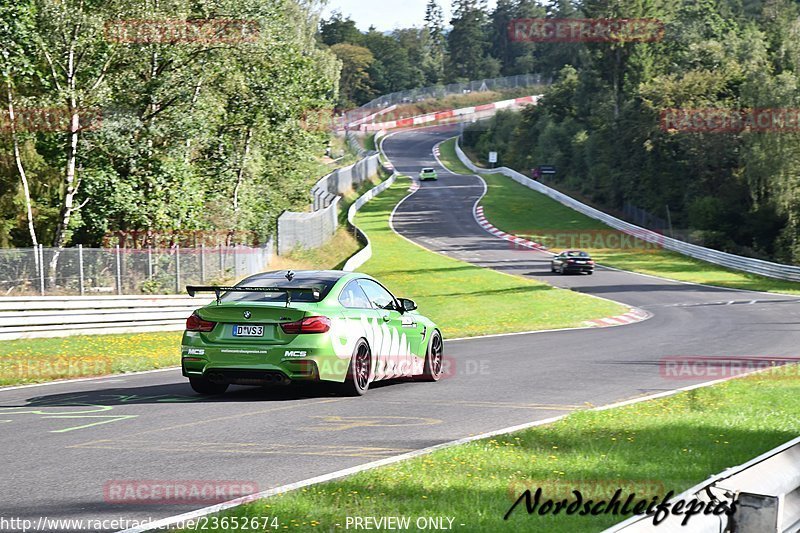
(407, 305)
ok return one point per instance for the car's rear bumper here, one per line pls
(250, 376)
(579, 268)
(254, 364)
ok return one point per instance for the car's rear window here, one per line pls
(322, 281)
(575, 253)
(427, 170)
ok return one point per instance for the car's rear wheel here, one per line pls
(357, 381)
(434, 359)
(202, 385)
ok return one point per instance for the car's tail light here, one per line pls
(591, 262)
(195, 323)
(310, 324)
(570, 260)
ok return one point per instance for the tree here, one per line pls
(467, 42)
(354, 85)
(436, 43)
(16, 32)
(337, 30)
(71, 39)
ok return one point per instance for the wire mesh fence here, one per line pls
(151, 270)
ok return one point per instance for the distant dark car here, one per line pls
(572, 261)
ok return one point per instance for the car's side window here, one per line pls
(380, 297)
(353, 296)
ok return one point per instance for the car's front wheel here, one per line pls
(357, 381)
(434, 359)
(202, 385)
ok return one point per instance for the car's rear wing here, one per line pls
(194, 289)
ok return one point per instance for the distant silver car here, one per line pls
(427, 173)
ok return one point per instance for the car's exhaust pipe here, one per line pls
(216, 377)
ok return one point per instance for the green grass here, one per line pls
(649, 448)
(448, 157)
(519, 210)
(463, 299)
(39, 360)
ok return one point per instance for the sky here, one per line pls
(386, 14)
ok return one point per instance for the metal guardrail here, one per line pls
(736, 262)
(58, 316)
(766, 491)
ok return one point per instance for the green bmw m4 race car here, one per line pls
(283, 327)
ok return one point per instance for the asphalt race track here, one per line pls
(63, 443)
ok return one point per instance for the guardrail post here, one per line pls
(235, 263)
(80, 269)
(150, 263)
(40, 255)
(178, 268)
(119, 271)
(202, 263)
(221, 261)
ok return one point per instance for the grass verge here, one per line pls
(516, 209)
(39, 360)
(464, 299)
(650, 448)
(448, 157)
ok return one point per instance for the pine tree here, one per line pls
(467, 42)
(437, 42)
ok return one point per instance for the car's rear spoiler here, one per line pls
(194, 289)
